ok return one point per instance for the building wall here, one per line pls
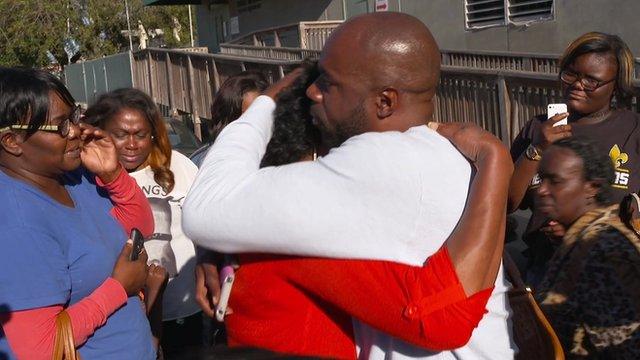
(446, 20)
(573, 18)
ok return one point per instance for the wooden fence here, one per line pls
(499, 100)
(497, 91)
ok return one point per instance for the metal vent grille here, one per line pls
(484, 13)
(529, 10)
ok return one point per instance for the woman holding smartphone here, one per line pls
(67, 207)
(595, 75)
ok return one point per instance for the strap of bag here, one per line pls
(519, 290)
(64, 348)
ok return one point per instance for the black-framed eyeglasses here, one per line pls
(589, 84)
(62, 129)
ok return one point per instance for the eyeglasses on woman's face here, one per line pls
(62, 129)
(588, 83)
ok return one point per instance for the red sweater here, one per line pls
(303, 306)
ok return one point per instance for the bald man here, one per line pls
(390, 189)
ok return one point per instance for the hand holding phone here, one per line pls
(138, 244)
(555, 109)
(131, 274)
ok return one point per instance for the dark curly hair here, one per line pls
(227, 104)
(294, 135)
(596, 165)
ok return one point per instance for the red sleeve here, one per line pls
(425, 305)
(31, 333)
(130, 207)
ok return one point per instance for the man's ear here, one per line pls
(10, 143)
(386, 102)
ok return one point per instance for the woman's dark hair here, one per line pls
(596, 165)
(111, 103)
(227, 105)
(294, 135)
(25, 97)
(601, 43)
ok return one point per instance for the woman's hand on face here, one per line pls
(132, 275)
(474, 143)
(549, 133)
(99, 154)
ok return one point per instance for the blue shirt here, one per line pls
(52, 254)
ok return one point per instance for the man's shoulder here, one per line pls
(419, 144)
(415, 137)
(418, 151)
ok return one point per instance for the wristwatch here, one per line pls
(532, 153)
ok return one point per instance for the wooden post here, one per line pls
(150, 70)
(302, 35)
(276, 39)
(216, 77)
(167, 60)
(527, 63)
(505, 108)
(192, 100)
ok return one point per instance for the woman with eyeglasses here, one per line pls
(138, 131)
(596, 78)
(68, 206)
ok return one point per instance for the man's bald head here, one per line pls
(378, 72)
(389, 49)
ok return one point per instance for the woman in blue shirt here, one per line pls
(61, 246)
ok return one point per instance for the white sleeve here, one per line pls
(341, 206)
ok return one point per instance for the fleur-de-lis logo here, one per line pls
(617, 156)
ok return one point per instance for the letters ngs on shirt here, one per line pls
(154, 190)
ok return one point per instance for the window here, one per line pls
(530, 10)
(481, 14)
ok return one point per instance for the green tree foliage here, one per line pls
(30, 28)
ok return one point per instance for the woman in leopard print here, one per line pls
(591, 290)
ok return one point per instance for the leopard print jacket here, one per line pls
(591, 290)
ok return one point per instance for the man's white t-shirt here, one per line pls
(393, 196)
(169, 246)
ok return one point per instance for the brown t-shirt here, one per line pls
(618, 136)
